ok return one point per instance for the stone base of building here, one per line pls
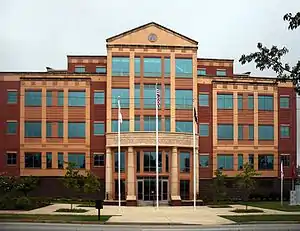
(175, 201)
(131, 201)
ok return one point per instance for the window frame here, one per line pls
(285, 126)
(100, 72)
(74, 136)
(262, 106)
(206, 94)
(34, 155)
(38, 103)
(200, 72)
(11, 158)
(100, 99)
(231, 158)
(222, 138)
(15, 127)
(101, 162)
(282, 155)
(281, 106)
(263, 127)
(178, 122)
(259, 162)
(82, 68)
(202, 124)
(27, 122)
(203, 155)
(59, 154)
(77, 155)
(185, 169)
(50, 165)
(94, 130)
(73, 99)
(240, 167)
(223, 105)
(224, 71)
(15, 97)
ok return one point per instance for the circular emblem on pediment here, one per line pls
(152, 37)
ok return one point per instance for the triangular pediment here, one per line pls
(152, 34)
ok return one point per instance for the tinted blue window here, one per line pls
(60, 132)
(203, 100)
(152, 67)
(49, 129)
(240, 161)
(76, 130)
(33, 160)
(122, 162)
(167, 67)
(250, 102)
(184, 162)
(49, 98)
(12, 97)
(60, 160)
(240, 132)
(184, 126)
(98, 128)
(251, 132)
(201, 72)
(137, 66)
(78, 159)
(203, 130)
(225, 162)
(284, 131)
(48, 159)
(221, 72)
(11, 127)
(137, 96)
(137, 123)
(240, 102)
(79, 69)
(265, 132)
(167, 97)
(150, 95)
(251, 160)
(150, 161)
(284, 102)
(225, 101)
(124, 97)
(167, 124)
(150, 123)
(225, 132)
(101, 70)
(60, 100)
(33, 129)
(184, 68)
(203, 161)
(33, 98)
(184, 99)
(120, 66)
(123, 128)
(76, 98)
(265, 103)
(99, 97)
(265, 162)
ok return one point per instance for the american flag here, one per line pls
(158, 97)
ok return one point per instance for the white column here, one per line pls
(174, 175)
(108, 173)
(131, 194)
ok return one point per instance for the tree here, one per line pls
(7, 184)
(26, 184)
(219, 188)
(91, 183)
(72, 179)
(267, 58)
(246, 182)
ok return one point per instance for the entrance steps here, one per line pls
(152, 204)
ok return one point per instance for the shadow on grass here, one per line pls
(71, 210)
(247, 211)
(219, 206)
(263, 218)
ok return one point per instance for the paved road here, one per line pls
(74, 227)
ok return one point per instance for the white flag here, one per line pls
(119, 113)
(281, 170)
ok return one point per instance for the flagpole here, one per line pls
(156, 113)
(119, 151)
(194, 151)
(281, 181)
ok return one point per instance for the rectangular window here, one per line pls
(184, 126)
(123, 93)
(184, 162)
(33, 129)
(11, 158)
(76, 98)
(201, 72)
(33, 98)
(184, 189)
(203, 161)
(76, 129)
(80, 69)
(250, 102)
(137, 66)
(122, 186)
(225, 101)
(138, 161)
(265, 103)
(99, 97)
(150, 162)
(240, 132)
(99, 128)
(49, 160)
(33, 160)
(78, 159)
(225, 162)
(184, 99)
(284, 131)
(12, 97)
(120, 66)
(240, 161)
(150, 95)
(285, 158)
(137, 123)
(203, 100)
(221, 73)
(122, 162)
(60, 98)
(265, 132)
(265, 162)
(124, 127)
(49, 101)
(152, 67)
(167, 67)
(60, 160)
(167, 162)
(150, 123)
(183, 68)
(203, 130)
(167, 124)
(240, 102)
(225, 132)
(284, 102)
(251, 160)
(98, 159)
(101, 70)
(167, 97)
(60, 132)
(137, 96)
(49, 129)
(11, 127)
(251, 132)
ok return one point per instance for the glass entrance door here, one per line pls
(165, 190)
(146, 189)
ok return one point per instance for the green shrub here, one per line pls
(24, 203)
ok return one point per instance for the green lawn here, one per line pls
(275, 205)
(53, 218)
(260, 218)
